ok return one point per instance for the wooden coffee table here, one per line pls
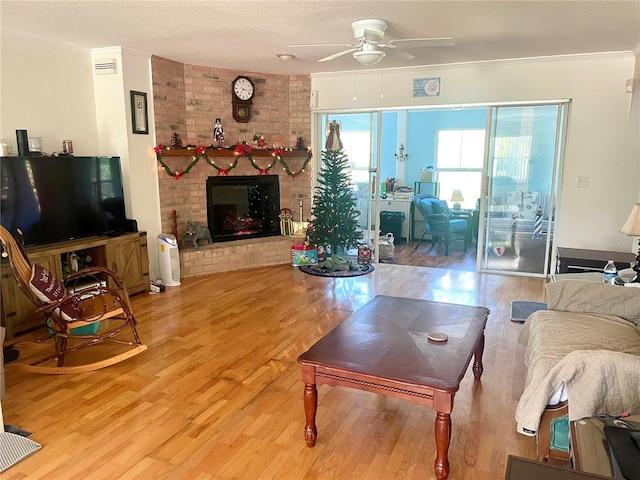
(384, 348)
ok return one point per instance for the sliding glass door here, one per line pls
(523, 153)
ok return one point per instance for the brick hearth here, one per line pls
(235, 255)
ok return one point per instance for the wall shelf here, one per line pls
(226, 153)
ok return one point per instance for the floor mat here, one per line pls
(14, 448)
(521, 309)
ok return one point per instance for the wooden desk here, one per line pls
(383, 348)
(525, 469)
(589, 449)
(572, 260)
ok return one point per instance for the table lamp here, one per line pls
(457, 197)
(632, 228)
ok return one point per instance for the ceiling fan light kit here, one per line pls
(369, 58)
(369, 49)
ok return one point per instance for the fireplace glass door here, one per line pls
(241, 207)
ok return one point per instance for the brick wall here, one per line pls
(188, 99)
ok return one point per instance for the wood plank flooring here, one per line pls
(218, 393)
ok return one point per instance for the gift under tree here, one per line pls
(334, 213)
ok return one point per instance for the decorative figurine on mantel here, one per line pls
(300, 143)
(218, 133)
(176, 141)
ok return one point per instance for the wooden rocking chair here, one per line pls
(77, 317)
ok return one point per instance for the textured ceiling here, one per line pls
(247, 35)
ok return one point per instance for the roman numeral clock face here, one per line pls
(243, 91)
(243, 88)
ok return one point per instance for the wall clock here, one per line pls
(242, 92)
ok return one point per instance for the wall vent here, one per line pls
(105, 66)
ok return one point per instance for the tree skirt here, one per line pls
(326, 272)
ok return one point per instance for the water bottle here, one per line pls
(609, 273)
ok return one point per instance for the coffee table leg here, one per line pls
(477, 360)
(443, 437)
(310, 407)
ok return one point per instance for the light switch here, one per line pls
(582, 182)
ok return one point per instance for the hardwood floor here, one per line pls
(428, 255)
(218, 393)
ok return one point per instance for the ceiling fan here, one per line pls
(369, 48)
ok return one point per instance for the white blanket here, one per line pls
(569, 347)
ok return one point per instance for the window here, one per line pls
(459, 160)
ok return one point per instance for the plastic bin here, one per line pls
(391, 222)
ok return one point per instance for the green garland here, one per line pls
(241, 150)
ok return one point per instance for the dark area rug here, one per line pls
(327, 272)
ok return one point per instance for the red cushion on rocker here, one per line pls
(47, 287)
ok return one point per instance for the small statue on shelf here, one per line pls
(176, 141)
(300, 143)
(218, 133)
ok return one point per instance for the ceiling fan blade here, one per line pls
(339, 54)
(422, 42)
(400, 55)
(321, 45)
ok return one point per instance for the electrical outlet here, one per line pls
(582, 182)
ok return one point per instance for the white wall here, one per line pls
(116, 137)
(47, 90)
(51, 91)
(602, 141)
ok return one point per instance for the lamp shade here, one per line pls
(457, 196)
(632, 225)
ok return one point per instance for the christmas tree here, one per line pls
(335, 218)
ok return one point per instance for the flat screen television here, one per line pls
(53, 199)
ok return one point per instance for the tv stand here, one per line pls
(126, 255)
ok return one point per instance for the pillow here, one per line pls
(48, 288)
(426, 205)
(582, 296)
(440, 207)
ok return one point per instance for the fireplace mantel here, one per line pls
(226, 153)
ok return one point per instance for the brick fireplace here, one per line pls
(188, 99)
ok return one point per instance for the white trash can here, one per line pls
(169, 259)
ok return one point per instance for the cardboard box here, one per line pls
(428, 176)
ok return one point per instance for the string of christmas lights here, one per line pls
(241, 150)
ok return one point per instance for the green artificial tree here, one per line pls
(335, 217)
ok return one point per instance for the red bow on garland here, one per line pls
(242, 149)
(223, 172)
(158, 148)
(278, 151)
(264, 171)
(178, 175)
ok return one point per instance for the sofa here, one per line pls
(582, 356)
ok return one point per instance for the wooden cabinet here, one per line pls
(125, 255)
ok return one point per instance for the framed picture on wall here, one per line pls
(139, 117)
